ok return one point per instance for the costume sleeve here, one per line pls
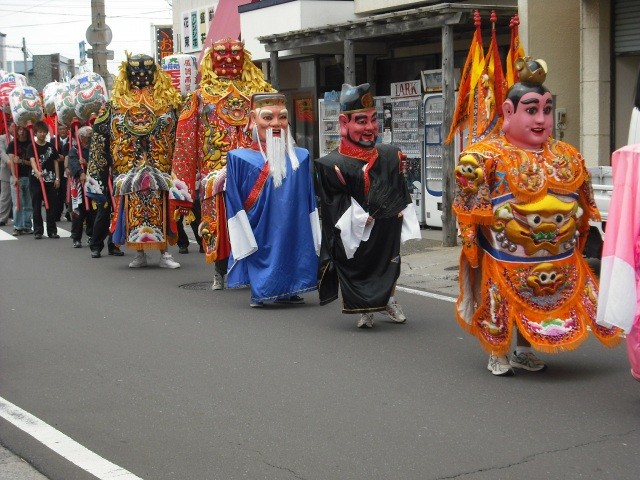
(618, 297)
(353, 228)
(472, 203)
(185, 154)
(314, 217)
(97, 184)
(241, 237)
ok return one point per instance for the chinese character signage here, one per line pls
(182, 70)
(164, 41)
(195, 27)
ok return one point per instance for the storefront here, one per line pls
(406, 43)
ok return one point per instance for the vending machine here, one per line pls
(433, 137)
(407, 134)
(328, 127)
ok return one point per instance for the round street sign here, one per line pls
(93, 34)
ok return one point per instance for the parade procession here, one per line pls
(362, 211)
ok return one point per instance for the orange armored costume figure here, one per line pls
(213, 122)
(523, 202)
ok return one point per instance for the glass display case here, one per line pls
(329, 130)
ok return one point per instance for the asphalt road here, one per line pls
(170, 382)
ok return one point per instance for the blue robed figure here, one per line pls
(273, 221)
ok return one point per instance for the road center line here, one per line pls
(63, 445)
(427, 294)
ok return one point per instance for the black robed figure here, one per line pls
(366, 213)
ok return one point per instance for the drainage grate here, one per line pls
(197, 286)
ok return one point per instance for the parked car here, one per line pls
(602, 180)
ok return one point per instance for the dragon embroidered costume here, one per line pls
(133, 140)
(213, 121)
(523, 217)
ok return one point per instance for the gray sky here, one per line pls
(57, 26)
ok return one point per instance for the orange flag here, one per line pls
(515, 51)
(463, 111)
(490, 92)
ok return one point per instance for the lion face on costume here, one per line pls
(545, 279)
(139, 120)
(469, 174)
(549, 224)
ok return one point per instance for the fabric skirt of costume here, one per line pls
(552, 304)
(141, 220)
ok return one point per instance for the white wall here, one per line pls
(289, 17)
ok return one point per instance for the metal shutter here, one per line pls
(626, 26)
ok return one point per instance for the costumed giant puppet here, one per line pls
(213, 121)
(133, 139)
(273, 220)
(367, 213)
(523, 202)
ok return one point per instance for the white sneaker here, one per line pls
(394, 311)
(366, 320)
(218, 282)
(167, 261)
(527, 361)
(140, 260)
(499, 366)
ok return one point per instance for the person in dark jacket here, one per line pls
(76, 163)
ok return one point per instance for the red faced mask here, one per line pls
(228, 58)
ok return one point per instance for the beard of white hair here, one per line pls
(277, 151)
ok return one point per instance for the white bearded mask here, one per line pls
(277, 150)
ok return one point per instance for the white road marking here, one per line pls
(6, 236)
(427, 294)
(64, 233)
(63, 445)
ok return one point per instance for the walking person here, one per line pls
(271, 210)
(47, 169)
(62, 142)
(81, 213)
(5, 172)
(523, 202)
(20, 167)
(141, 114)
(367, 213)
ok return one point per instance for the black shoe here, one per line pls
(38, 236)
(77, 244)
(67, 216)
(95, 254)
(183, 249)
(292, 300)
(2, 224)
(55, 235)
(201, 249)
(116, 252)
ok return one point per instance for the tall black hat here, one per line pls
(355, 99)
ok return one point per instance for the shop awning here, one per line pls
(226, 23)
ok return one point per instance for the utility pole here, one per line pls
(24, 59)
(99, 36)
